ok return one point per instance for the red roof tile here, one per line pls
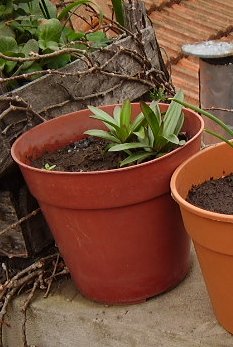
(189, 21)
(177, 22)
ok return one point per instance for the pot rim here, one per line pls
(104, 172)
(188, 206)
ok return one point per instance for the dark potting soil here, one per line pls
(89, 154)
(215, 195)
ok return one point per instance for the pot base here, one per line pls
(217, 271)
(133, 300)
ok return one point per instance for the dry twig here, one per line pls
(43, 271)
(20, 221)
(39, 274)
(50, 280)
(25, 306)
(218, 109)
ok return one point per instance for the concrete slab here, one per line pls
(182, 317)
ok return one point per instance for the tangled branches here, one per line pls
(102, 75)
(145, 73)
(39, 275)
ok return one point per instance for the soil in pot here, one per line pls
(215, 195)
(88, 154)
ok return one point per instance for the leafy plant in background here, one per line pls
(119, 11)
(30, 27)
(158, 95)
(152, 133)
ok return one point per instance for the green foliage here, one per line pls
(30, 27)
(158, 95)
(121, 128)
(151, 134)
(119, 11)
(65, 12)
(209, 115)
(49, 167)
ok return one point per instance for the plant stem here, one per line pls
(219, 137)
(206, 114)
(119, 12)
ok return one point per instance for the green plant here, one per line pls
(32, 27)
(209, 115)
(119, 11)
(158, 95)
(49, 167)
(152, 133)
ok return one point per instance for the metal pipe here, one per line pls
(215, 82)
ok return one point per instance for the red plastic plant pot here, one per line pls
(119, 231)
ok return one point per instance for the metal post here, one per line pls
(215, 82)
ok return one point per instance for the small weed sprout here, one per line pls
(49, 167)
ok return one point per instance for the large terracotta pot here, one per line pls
(119, 231)
(212, 233)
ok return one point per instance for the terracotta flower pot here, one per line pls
(119, 231)
(212, 233)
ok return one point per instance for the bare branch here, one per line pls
(47, 72)
(36, 57)
(20, 221)
(25, 306)
(218, 109)
(127, 77)
(12, 125)
(24, 107)
(82, 98)
(50, 280)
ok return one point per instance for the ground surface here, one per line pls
(182, 317)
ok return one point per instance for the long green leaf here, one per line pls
(220, 137)
(160, 141)
(104, 117)
(138, 122)
(139, 157)
(103, 134)
(206, 114)
(150, 137)
(70, 7)
(119, 11)
(125, 115)
(179, 124)
(173, 139)
(172, 115)
(117, 114)
(126, 146)
(44, 9)
(155, 107)
(151, 118)
(141, 134)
